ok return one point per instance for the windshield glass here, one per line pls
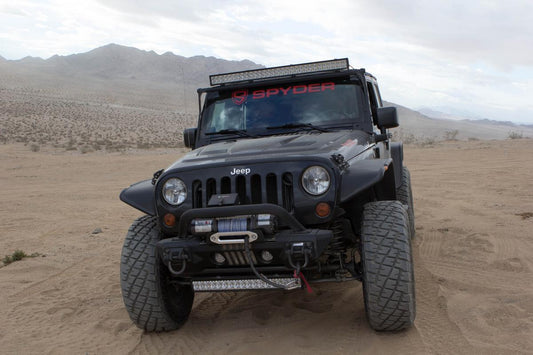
(322, 103)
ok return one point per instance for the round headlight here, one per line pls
(174, 191)
(315, 180)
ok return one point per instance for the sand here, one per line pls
(473, 263)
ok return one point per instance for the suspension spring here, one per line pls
(337, 243)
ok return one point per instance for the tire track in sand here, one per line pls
(192, 337)
(438, 331)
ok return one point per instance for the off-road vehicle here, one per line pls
(292, 180)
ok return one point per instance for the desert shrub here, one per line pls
(451, 135)
(515, 135)
(86, 149)
(16, 256)
(428, 142)
(143, 145)
(35, 147)
(473, 139)
(404, 137)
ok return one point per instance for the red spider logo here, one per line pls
(239, 96)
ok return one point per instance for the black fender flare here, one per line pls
(396, 149)
(363, 174)
(140, 196)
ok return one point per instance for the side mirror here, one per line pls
(189, 137)
(387, 117)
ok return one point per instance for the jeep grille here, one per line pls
(252, 189)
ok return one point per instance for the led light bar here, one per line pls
(239, 285)
(276, 72)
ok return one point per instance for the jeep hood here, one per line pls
(282, 147)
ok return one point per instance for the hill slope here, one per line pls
(114, 61)
(414, 125)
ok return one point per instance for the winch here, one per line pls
(265, 222)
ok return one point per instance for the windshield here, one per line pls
(322, 103)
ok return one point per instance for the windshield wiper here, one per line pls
(239, 132)
(301, 125)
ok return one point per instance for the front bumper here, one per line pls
(198, 258)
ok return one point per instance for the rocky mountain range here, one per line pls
(120, 62)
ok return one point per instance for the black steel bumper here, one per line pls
(198, 258)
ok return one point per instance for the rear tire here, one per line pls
(152, 302)
(388, 278)
(405, 196)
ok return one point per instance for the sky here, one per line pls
(471, 58)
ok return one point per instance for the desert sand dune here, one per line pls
(473, 263)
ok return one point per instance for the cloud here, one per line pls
(9, 9)
(184, 10)
(462, 31)
(456, 53)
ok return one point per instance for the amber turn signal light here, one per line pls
(169, 219)
(322, 209)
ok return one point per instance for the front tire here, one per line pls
(152, 302)
(388, 278)
(405, 196)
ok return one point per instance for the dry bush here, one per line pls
(515, 135)
(451, 135)
(18, 255)
(404, 137)
(427, 142)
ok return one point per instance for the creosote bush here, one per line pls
(515, 135)
(17, 255)
(451, 135)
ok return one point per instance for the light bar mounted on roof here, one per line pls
(278, 72)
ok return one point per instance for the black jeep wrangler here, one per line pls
(292, 180)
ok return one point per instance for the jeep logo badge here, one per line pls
(243, 171)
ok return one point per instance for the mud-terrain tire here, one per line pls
(388, 278)
(405, 196)
(152, 303)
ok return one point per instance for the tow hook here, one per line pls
(174, 256)
(301, 251)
